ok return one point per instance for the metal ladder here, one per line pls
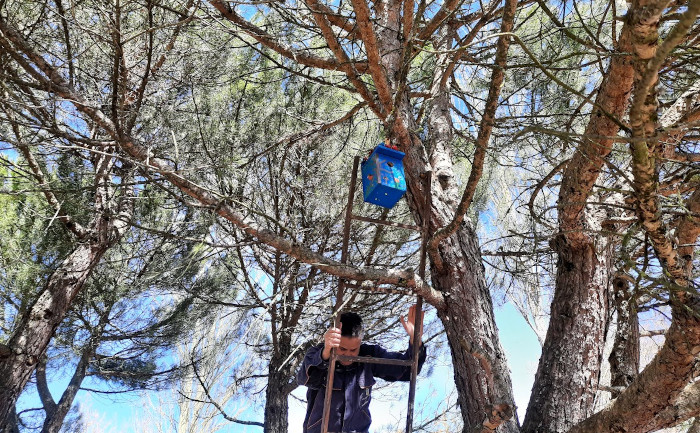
(343, 284)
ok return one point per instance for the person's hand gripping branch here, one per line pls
(409, 322)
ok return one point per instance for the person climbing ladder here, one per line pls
(352, 381)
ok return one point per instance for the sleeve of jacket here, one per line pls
(392, 373)
(313, 369)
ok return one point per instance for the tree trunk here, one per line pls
(11, 424)
(569, 368)
(276, 398)
(281, 381)
(560, 396)
(480, 369)
(481, 374)
(35, 330)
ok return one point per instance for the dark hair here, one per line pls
(352, 325)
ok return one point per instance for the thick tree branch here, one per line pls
(42, 387)
(448, 8)
(655, 62)
(645, 146)
(339, 21)
(688, 230)
(640, 407)
(348, 67)
(55, 84)
(581, 173)
(369, 37)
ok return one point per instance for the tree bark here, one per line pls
(277, 395)
(11, 423)
(481, 375)
(36, 328)
(624, 358)
(650, 402)
(30, 340)
(568, 372)
(695, 426)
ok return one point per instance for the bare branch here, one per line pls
(369, 37)
(269, 41)
(349, 68)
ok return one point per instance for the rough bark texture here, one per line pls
(281, 376)
(569, 369)
(480, 371)
(568, 372)
(11, 424)
(646, 149)
(462, 297)
(276, 396)
(646, 405)
(624, 358)
(481, 374)
(35, 330)
(695, 426)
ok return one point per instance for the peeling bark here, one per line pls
(624, 358)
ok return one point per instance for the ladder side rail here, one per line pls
(339, 297)
(418, 324)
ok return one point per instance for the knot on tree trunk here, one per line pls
(497, 415)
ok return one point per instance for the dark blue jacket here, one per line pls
(352, 387)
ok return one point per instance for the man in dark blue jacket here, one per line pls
(352, 381)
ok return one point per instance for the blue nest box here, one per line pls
(383, 181)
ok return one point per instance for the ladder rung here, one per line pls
(385, 223)
(371, 360)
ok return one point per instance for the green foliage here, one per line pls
(31, 243)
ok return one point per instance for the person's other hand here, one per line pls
(409, 322)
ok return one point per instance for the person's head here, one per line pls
(351, 333)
